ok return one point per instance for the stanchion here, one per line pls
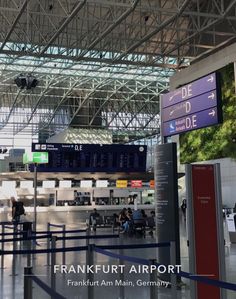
(90, 275)
(21, 236)
(53, 262)
(29, 254)
(87, 244)
(34, 242)
(153, 277)
(121, 277)
(64, 244)
(173, 278)
(27, 283)
(2, 255)
(87, 254)
(14, 256)
(48, 244)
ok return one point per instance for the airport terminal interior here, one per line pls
(118, 149)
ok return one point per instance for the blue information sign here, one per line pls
(192, 106)
(190, 122)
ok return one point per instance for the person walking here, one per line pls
(184, 207)
(17, 210)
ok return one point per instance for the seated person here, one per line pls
(129, 210)
(143, 214)
(139, 222)
(124, 219)
(116, 220)
(139, 217)
(151, 222)
(94, 218)
(234, 209)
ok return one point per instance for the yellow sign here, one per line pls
(121, 183)
(152, 184)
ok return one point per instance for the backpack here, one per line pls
(20, 210)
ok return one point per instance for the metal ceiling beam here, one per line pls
(108, 98)
(154, 32)
(14, 24)
(93, 59)
(63, 25)
(124, 104)
(62, 100)
(94, 89)
(210, 51)
(110, 28)
(203, 29)
(11, 109)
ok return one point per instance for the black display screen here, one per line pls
(92, 157)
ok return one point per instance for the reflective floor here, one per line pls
(11, 281)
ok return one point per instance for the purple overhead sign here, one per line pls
(190, 90)
(192, 106)
(194, 121)
(202, 102)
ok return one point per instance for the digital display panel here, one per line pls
(92, 157)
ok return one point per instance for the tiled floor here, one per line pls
(11, 278)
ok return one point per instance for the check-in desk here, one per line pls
(231, 220)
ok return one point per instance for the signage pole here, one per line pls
(160, 109)
(190, 227)
(166, 193)
(35, 197)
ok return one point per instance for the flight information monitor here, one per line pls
(92, 157)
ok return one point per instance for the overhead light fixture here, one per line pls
(26, 81)
(3, 150)
(20, 81)
(32, 82)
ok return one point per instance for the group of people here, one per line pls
(129, 219)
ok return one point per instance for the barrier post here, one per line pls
(3, 238)
(34, 255)
(173, 278)
(14, 255)
(121, 277)
(87, 244)
(27, 283)
(64, 244)
(53, 262)
(48, 244)
(153, 277)
(90, 275)
(29, 254)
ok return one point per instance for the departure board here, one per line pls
(92, 157)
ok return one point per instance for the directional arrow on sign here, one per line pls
(210, 79)
(175, 94)
(211, 96)
(43, 157)
(212, 113)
